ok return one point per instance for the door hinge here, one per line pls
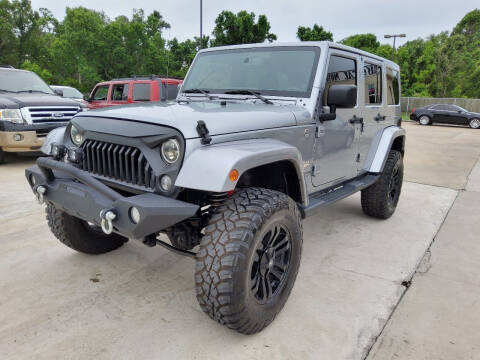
(358, 158)
(320, 131)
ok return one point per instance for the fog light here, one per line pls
(166, 183)
(74, 155)
(57, 151)
(33, 181)
(134, 215)
(18, 137)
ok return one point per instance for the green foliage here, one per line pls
(88, 47)
(231, 29)
(366, 42)
(317, 33)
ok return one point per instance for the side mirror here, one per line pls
(342, 96)
(58, 92)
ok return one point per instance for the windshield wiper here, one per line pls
(199, 91)
(37, 91)
(10, 91)
(250, 92)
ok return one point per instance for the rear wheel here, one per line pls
(2, 156)
(475, 123)
(80, 235)
(249, 259)
(380, 199)
(424, 120)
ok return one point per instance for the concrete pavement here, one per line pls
(139, 302)
(439, 316)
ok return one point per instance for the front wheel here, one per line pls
(80, 235)
(249, 259)
(380, 199)
(424, 120)
(475, 123)
(2, 156)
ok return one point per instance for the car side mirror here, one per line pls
(342, 96)
(58, 92)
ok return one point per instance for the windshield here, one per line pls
(280, 71)
(22, 81)
(69, 92)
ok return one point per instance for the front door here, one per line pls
(336, 141)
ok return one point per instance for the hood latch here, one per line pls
(203, 132)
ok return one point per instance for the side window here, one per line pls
(451, 108)
(341, 70)
(100, 93)
(393, 87)
(120, 92)
(141, 92)
(373, 84)
(172, 90)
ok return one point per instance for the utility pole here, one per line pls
(394, 40)
(201, 24)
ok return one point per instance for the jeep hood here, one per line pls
(15, 101)
(220, 119)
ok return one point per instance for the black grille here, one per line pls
(118, 162)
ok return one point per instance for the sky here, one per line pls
(419, 18)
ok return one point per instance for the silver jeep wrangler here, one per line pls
(259, 137)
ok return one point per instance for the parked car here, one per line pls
(70, 93)
(29, 110)
(232, 167)
(445, 114)
(132, 90)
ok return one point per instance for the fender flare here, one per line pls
(381, 146)
(55, 136)
(207, 168)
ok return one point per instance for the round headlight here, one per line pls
(171, 151)
(76, 136)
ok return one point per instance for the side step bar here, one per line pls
(337, 192)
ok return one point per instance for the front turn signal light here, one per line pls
(233, 175)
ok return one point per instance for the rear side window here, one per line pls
(373, 84)
(120, 92)
(141, 92)
(341, 70)
(393, 87)
(100, 93)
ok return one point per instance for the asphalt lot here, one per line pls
(348, 301)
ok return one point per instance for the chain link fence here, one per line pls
(408, 103)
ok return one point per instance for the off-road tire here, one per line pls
(2, 156)
(78, 235)
(227, 253)
(376, 199)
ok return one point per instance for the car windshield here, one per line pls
(69, 92)
(280, 71)
(22, 81)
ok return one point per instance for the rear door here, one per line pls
(336, 141)
(375, 110)
(119, 94)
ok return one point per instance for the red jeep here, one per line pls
(132, 90)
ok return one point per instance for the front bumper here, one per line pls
(79, 194)
(20, 141)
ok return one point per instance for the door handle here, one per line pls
(380, 117)
(356, 120)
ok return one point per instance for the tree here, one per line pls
(231, 29)
(317, 33)
(366, 42)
